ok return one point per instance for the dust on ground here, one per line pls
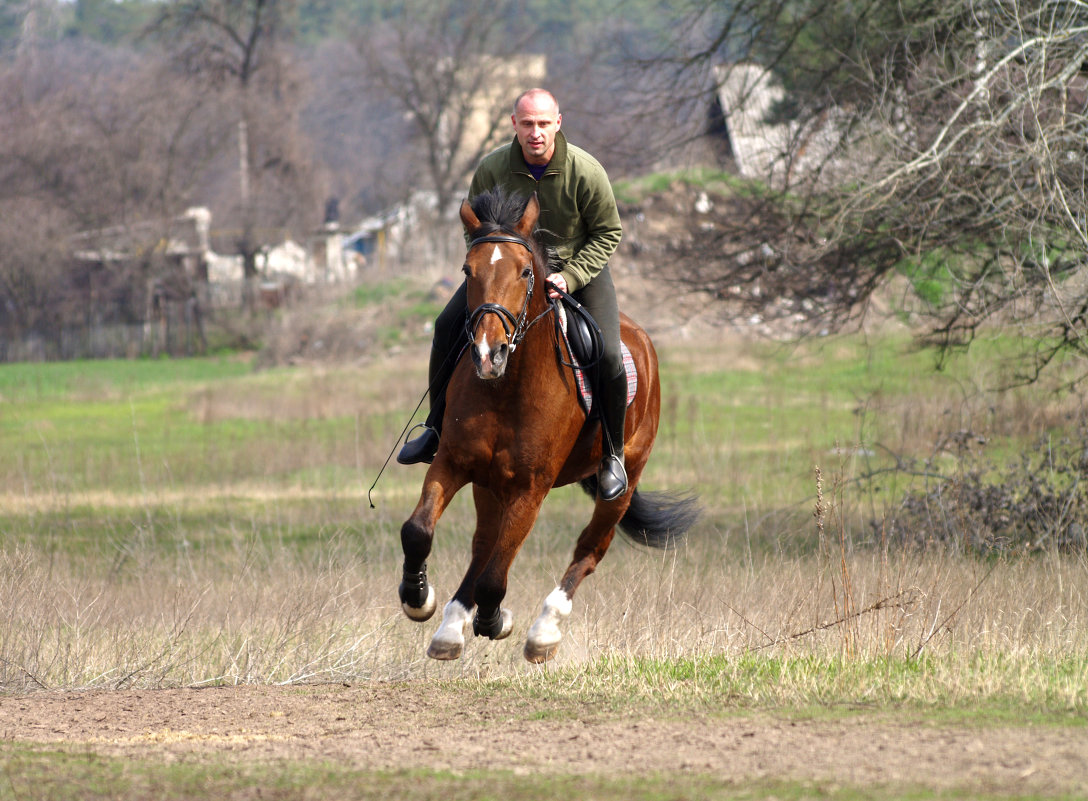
(441, 726)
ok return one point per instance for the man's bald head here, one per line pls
(536, 121)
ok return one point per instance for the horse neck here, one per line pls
(538, 305)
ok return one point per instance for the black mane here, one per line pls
(498, 210)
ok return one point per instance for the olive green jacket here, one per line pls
(578, 212)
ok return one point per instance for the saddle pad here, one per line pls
(585, 391)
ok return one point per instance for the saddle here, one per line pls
(582, 337)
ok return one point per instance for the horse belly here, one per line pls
(582, 459)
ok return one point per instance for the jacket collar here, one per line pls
(559, 157)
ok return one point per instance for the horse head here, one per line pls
(501, 269)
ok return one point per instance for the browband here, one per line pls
(517, 240)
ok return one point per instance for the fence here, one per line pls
(177, 330)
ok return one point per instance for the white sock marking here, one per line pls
(452, 630)
(545, 629)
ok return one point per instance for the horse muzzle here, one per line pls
(490, 362)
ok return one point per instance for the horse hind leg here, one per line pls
(449, 641)
(542, 641)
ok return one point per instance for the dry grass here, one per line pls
(270, 567)
(265, 614)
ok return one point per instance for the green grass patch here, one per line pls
(144, 482)
(976, 689)
(68, 775)
(377, 293)
(402, 307)
(217, 529)
(635, 190)
(745, 429)
(69, 382)
(759, 422)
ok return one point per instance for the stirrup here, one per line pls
(421, 449)
(611, 478)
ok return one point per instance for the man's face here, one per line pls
(536, 122)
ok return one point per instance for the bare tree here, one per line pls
(91, 140)
(454, 76)
(359, 133)
(944, 141)
(239, 49)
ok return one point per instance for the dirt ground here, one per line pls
(423, 725)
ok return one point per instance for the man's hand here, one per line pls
(556, 280)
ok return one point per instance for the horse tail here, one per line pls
(655, 519)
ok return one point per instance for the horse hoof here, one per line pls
(545, 635)
(422, 613)
(538, 653)
(448, 642)
(444, 651)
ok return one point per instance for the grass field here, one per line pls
(222, 513)
(199, 523)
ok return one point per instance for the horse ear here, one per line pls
(468, 217)
(528, 220)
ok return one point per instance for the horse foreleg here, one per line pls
(494, 548)
(449, 641)
(417, 596)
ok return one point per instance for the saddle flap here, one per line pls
(584, 341)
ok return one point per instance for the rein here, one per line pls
(515, 326)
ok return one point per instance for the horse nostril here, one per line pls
(501, 353)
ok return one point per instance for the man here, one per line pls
(581, 225)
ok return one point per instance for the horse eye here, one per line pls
(466, 270)
(527, 272)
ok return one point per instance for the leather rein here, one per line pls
(515, 326)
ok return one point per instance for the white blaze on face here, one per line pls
(485, 352)
(483, 349)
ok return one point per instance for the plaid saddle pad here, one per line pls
(585, 390)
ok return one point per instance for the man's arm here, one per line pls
(603, 232)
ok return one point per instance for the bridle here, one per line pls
(515, 326)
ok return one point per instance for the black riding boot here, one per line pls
(611, 475)
(425, 446)
(449, 339)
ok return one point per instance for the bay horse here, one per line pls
(514, 428)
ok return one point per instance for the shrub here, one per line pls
(1037, 501)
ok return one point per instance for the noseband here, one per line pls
(515, 326)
